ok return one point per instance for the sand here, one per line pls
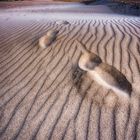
(43, 93)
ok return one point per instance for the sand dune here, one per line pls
(43, 93)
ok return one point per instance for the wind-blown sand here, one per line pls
(44, 95)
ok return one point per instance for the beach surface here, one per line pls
(43, 93)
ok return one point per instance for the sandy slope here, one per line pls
(42, 93)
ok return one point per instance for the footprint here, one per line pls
(111, 78)
(64, 22)
(104, 74)
(87, 60)
(48, 39)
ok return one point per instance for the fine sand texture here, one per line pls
(44, 95)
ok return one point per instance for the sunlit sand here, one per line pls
(43, 92)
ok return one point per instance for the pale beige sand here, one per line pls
(44, 95)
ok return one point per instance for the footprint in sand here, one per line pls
(64, 22)
(48, 39)
(104, 74)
